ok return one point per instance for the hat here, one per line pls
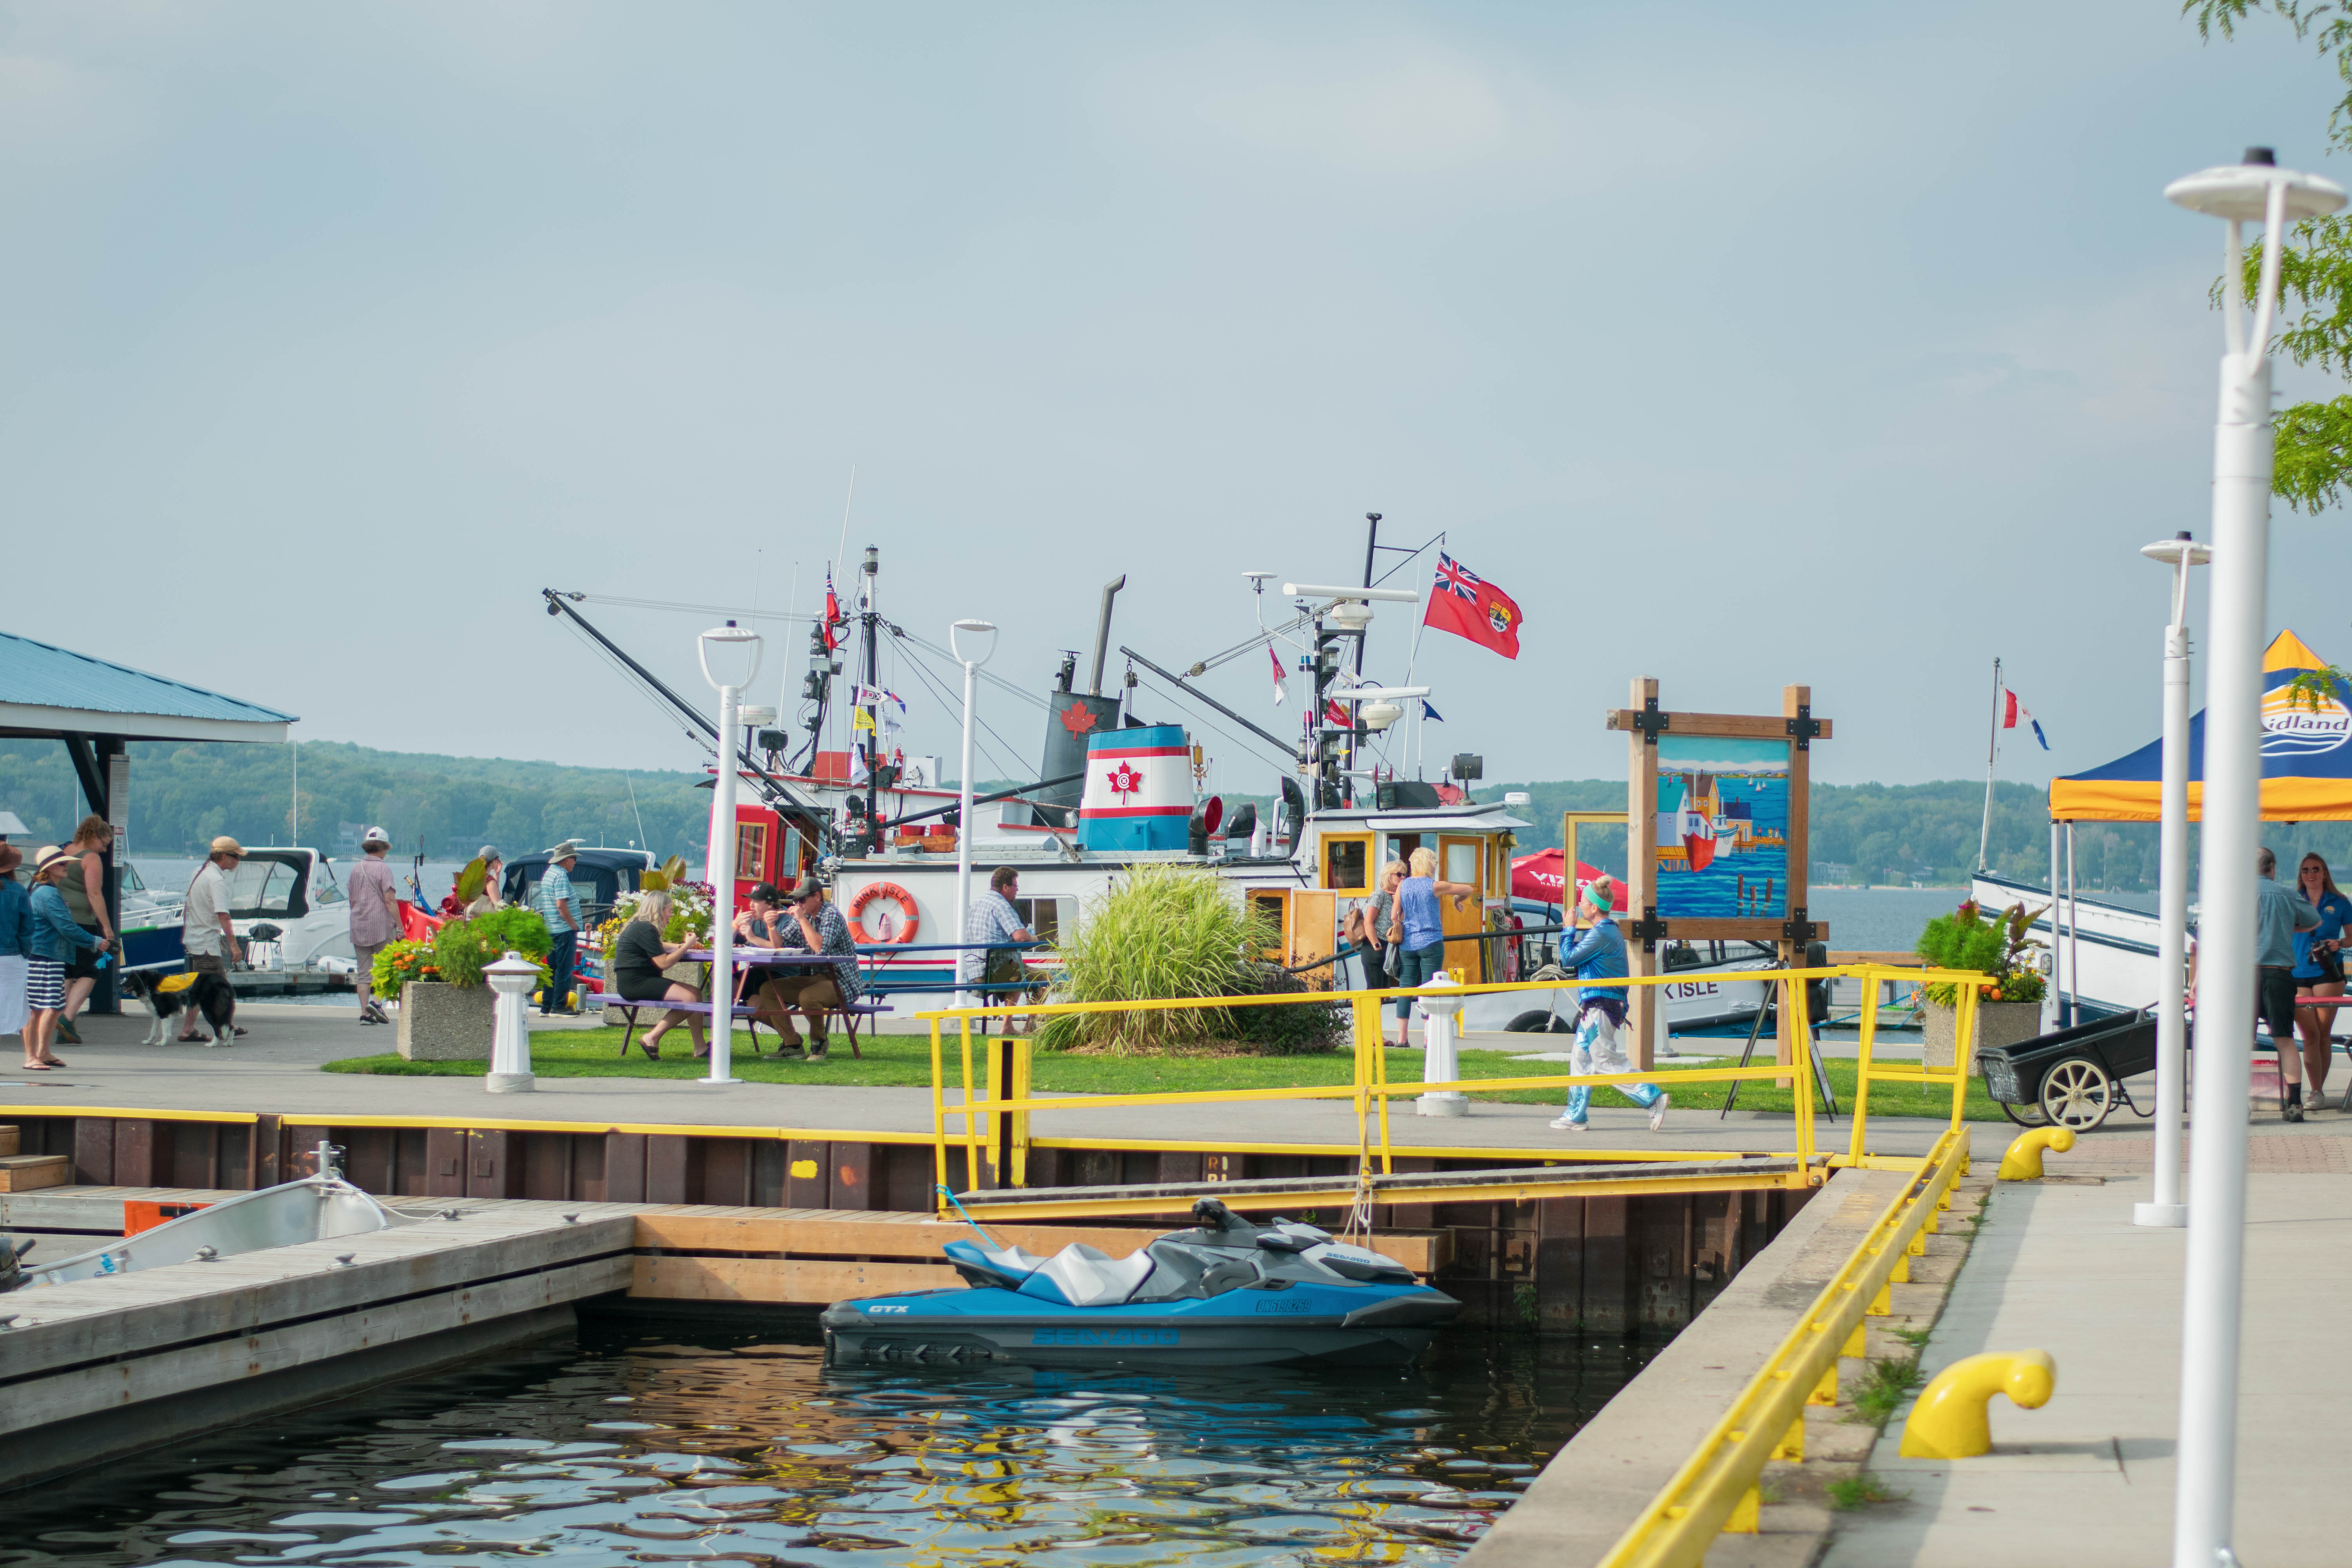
(376, 835)
(489, 852)
(565, 850)
(1599, 892)
(225, 845)
(51, 857)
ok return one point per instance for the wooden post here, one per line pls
(1641, 875)
(1796, 701)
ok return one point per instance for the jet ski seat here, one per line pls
(1081, 1276)
(989, 1265)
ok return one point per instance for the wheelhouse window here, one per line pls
(1346, 867)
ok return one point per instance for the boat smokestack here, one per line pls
(1102, 632)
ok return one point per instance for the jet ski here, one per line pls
(1224, 1293)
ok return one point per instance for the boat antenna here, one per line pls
(643, 843)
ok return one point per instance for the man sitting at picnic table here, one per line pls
(812, 925)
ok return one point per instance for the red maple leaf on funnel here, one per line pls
(1078, 718)
(1124, 781)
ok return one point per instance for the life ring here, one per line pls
(867, 895)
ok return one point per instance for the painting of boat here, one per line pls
(1723, 812)
(1698, 834)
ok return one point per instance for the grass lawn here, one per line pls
(905, 1061)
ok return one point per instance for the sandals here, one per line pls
(35, 1066)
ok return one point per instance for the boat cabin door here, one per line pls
(1463, 859)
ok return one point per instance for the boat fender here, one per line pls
(867, 895)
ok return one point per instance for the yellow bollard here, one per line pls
(1948, 1422)
(2022, 1163)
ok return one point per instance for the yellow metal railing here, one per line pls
(1371, 1090)
(1716, 1488)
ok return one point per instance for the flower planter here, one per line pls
(1997, 1023)
(445, 1023)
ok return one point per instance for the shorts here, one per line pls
(45, 984)
(802, 990)
(208, 964)
(2275, 1001)
(638, 986)
(2330, 966)
(83, 964)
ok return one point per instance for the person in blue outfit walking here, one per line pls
(1600, 954)
(1422, 951)
(56, 939)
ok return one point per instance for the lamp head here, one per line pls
(957, 633)
(2241, 192)
(2178, 548)
(737, 650)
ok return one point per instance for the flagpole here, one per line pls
(1992, 750)
(1419, 716)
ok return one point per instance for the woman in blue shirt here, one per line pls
(2318, 967)
(1421, 952)
(1600, 954)
(15, 941)
(56, 938)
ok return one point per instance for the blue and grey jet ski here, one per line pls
(1225, 1293)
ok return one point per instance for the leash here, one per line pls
(956, 1205)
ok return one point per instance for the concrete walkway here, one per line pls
(275, 1068)
(2088, 1478)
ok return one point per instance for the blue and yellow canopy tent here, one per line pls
(2307, 758)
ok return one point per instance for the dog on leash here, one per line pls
(167, 996)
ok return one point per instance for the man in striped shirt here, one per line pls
(556, 906)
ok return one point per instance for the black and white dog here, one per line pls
(211, 995)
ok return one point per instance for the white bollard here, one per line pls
(1441, 1062)
(513, 978)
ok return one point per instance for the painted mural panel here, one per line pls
(1723, 829)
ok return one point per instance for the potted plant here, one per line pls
(445, 1009)
(2008, 1011)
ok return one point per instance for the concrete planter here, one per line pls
(444, 1023)
(1997, 1023)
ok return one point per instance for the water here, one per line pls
(627, 1447)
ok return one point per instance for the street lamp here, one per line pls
(2213, 1288)
(956, 635)
(730, 658)
(2180, 553)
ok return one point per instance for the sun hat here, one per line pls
(1599, 892)
(570, 846)
(376, 836)
(489, 852)
(225, 845)
(51, 858)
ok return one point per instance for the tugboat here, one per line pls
(1224, 1293)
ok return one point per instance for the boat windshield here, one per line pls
(130, 875)
(266, 885)
(324, 889)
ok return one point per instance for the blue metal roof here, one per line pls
(34, 674)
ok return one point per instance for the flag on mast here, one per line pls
(1280, 690)
(1463, 603)
(2012, 710)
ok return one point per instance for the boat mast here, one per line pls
(873, 570)
(1992, 750)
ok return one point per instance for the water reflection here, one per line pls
(625, 1449)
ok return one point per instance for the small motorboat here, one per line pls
(1224, 1293)
(314, 1208)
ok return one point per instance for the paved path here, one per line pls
(275, 1068)
(2088, 1478)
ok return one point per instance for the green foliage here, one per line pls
(398, 963)
(462, 947)
(1860, 1491)
(469, 882)
(1883, 1387)
(2003, 948)
(1160, 931)
(1286, 1031)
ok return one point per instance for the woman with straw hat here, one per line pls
(57, 937)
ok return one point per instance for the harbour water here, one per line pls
(627, 1446)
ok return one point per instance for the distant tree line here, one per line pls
(182, 794)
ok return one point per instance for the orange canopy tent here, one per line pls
(2307, 758)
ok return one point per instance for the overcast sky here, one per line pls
(1842, 343)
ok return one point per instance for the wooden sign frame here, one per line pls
(1643, 722)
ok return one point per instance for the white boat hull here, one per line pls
(313, 1209)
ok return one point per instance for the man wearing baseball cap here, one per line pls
(207, 932)
(375, 916)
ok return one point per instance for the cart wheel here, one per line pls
(2077, 1093)
(2023, 1115)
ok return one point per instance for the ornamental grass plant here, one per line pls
(1176, 931)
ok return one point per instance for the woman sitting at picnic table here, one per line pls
(638, 960)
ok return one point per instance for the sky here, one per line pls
(1841, 344)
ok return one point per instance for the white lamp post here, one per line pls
(2172, 878)
(2213, 1290)
(956, 635)
(511, 978)
(1440, 1061)
(736, 650)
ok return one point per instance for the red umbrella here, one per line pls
(1537, 878)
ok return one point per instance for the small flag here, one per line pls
(1431, 714)
(2014, 710)
(1466, 605)
(1280, 690)
(832, 611)
(1335, 713)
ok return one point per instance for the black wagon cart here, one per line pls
(2075, 1076)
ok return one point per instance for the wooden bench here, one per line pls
(743, 1010)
